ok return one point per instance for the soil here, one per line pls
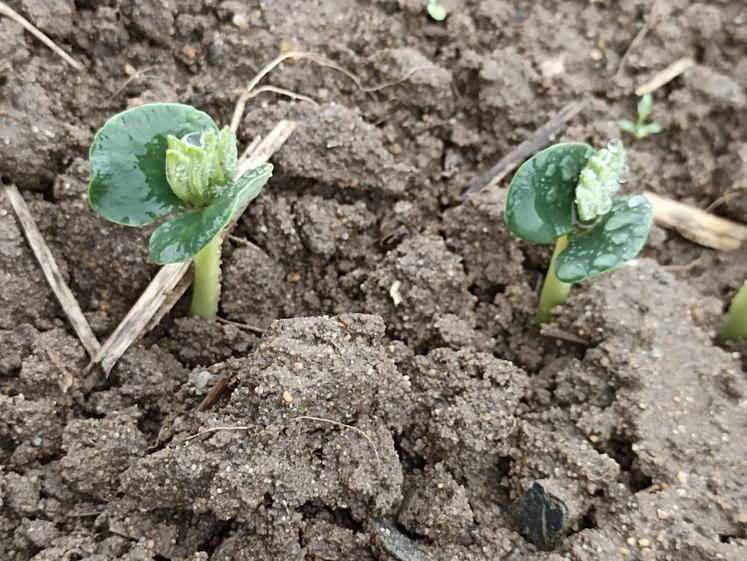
(389, 395)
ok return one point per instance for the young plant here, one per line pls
(641, 129)
(565, 194)
(170, 160)
(735, 325)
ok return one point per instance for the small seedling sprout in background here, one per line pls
(735, 324)
(168, 159)
(641, 129)
(435, 10)
(565, 194)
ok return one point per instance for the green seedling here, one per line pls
(641, 129)
(170, 160)
(735, 325)
(435, 10)
(565, 194)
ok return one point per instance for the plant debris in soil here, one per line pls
(392, 395)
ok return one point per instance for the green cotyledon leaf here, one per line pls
(541, 196)
(615, 238)
(181, 238)
(128, 162)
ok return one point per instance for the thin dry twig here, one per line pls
(281, 91)
(538, 139)
(249, 91)
(137, 319)
(647, 24)
(245, 326)
(214, 394)
(665, 76)
(726, 197)
(245, 96)
(52, 272)
(157, 298)
(697, 225)
(8, 12)
(687, 267)
(216, 429)
(140, 73)
(363, 433)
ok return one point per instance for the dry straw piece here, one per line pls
(52, 272)
(697, 225)
(8, 12)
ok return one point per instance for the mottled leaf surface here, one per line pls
(128, 162)
(539, 206)
(614, 239)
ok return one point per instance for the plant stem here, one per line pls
(554, 291)
(735, 326)
(206, 284)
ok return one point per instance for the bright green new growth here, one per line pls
(197, 165)
(600, 179)
(641, 129)
(735, 324)
(564, 195)
(166, 159)
(435, 10)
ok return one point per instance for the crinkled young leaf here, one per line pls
(616, 238)
(128, 162)
(539, 206)
(183, 237)
(600, 180)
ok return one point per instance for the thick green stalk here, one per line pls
(206, 284)
(735, 326)
(554, 291)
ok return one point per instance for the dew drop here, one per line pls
(614, 145)
(620, 220)
(624, 175)
(605, 261)
(567, 168)
(571, 270)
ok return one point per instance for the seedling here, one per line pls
(641, 129)
(435, 10)
(170, 160)
(565, 194)
(735, 325)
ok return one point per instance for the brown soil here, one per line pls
(400, 392)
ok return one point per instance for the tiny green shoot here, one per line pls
(436, 10)
(170, 160)
(641, 129)
(735, 324)
(566, 195)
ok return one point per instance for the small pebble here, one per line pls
(287, 397)
(215, 50)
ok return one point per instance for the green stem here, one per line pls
(554, 291)
(206, 284)
(735, 326)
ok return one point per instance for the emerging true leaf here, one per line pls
(600, 180)
(196, 165)
(183, 237)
